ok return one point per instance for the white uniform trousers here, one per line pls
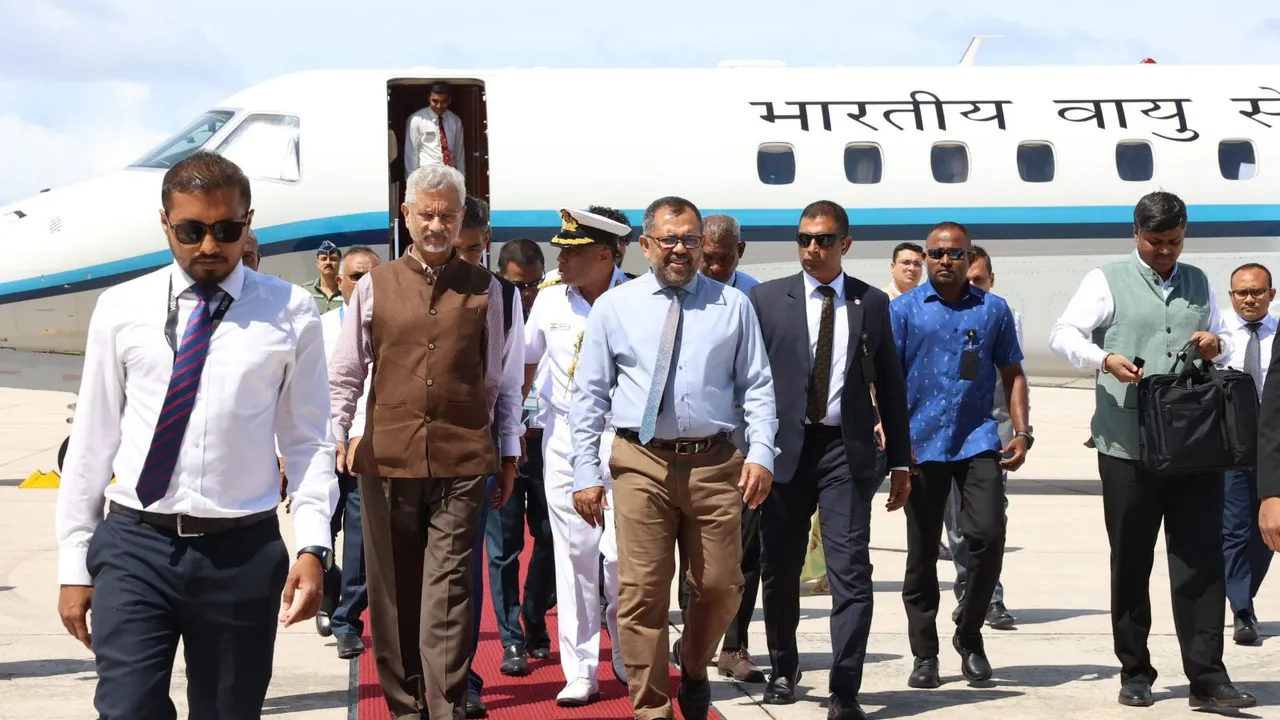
(578, 548)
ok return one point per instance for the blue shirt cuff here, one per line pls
(761, 455)
(587, 476)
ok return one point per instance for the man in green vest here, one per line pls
(1148, 306)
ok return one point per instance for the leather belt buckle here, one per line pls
(689, 447)
(182, 532)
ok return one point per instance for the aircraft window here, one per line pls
(776, 164)
(1134, 161)
(863, 163)
(1236, 159)
(1035, 162)
(950, 162)
(188, 140)
(265, 146)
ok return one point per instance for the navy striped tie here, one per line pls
(157, 471)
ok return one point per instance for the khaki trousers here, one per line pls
(658, 494)
(419, 539)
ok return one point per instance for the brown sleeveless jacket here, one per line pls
(428, 411)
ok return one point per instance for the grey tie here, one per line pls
(662, 368)
(1253, 355)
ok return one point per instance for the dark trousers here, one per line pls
(345, 594)
(822, 481)
(982, 521)
(504, 539)
(1246, 556)
(1134, 503)
(219, 594)
(735, 637)
(475, 683)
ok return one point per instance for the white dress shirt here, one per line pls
(1093, 307)
(1240, 343)
(264, 379)
(840, 341)
(422, 140)
(330, 326)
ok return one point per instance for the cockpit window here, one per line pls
(190, 139)
(265, 147)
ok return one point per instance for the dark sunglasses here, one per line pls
(825, 240)
(526, 286)
(192, 232)
(953, 253)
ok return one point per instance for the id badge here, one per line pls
(969, 365)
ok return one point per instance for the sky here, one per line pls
(87, 86)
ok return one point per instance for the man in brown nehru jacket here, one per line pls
(436, 341)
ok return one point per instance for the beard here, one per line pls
(673, 273)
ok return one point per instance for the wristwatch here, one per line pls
(1026, 434)
(324, 554)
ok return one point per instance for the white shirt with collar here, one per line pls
(264, 379)
(840, 341)
(1240, 343)
(330, 326)
(422, 140)
(1093, 306)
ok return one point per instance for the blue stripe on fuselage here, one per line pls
(758, 225)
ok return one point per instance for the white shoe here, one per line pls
(578, 692)
(619, 667)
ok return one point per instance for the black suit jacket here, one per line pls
(780, 305)
(1268, 470)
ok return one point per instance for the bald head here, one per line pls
(722, 247)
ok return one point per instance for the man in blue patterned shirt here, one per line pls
(952, 339)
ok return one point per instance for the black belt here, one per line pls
(680, 447)
(189, 525)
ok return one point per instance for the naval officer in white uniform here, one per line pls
(553, 336)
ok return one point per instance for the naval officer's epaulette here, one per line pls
(549, 283)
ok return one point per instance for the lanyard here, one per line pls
(171, 325)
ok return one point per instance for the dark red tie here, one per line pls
(444, 142)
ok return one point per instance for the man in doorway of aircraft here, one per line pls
(433, 135)
(324, 289)
(1149, 305)
(441, 379)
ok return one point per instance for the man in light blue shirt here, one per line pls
(679, 362)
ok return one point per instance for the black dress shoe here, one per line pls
(475, 706)
(323, 625)
(349, 646)
(1246, 631)
(925, 673)
(513, 661)
(999, 617)
(538, 644)
(1135, 693)
(694, 697)
(781, 690)
(838, 709)
(973, 661)
(1225, 695)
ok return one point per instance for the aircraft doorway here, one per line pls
(406, 96)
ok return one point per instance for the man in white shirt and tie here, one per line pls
(180, 400)
(433, 135)
(345, 594)
(1247, 558)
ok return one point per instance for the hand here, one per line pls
(351, 451)
(899, 489)
(302, 591)
(340, 457)
(590, 503)
(284, 481)
(755, 484)
(506, 483)
(1122, 369)
(1268, 524)
(74, 602)
(1017, 452)
(879, 432)
(1209, 344)
(524, 450)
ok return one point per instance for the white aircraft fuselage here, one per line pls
(1042, 164)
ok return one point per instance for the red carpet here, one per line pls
(532, 697)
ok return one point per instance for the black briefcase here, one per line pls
(1200, 419)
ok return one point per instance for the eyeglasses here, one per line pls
(825, 240)
(526, 286)
(1251, 292)
(192, 232)
(953, 253)
(667, 243)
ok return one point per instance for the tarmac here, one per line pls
(1057, 663)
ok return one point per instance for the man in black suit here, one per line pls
(828, 338)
